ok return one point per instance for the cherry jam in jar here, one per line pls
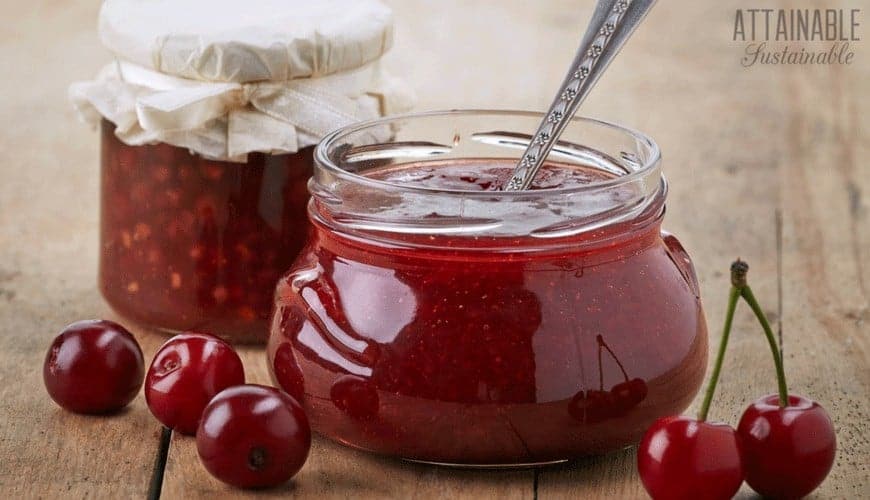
(189, 243)
(435, 318)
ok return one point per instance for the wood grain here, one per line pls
(47, 452)
(48, 243)
(739, 144)
(826, 304)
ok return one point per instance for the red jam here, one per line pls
(195, 244)
(495, 350)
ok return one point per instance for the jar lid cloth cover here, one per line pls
(225, 78)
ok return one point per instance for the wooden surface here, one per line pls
(740, 145)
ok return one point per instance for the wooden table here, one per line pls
(741, 145)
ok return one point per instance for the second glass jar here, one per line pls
(189, 243)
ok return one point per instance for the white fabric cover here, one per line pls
(246, 40)
(237, 77)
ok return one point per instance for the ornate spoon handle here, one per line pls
(611, 25)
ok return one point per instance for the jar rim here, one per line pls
(322, 159)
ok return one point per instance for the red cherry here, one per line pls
(592, 406)
(355, 396)
(787, 452)
(680, 457)
(252, 436)
(629, 394)
(595, 406)
(287, 374)
(187, 371)
(93, 366)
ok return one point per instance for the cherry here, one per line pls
(187, 371)
(93, 366)
(787, 451)
(252, 436)
(680, 457)
(788, 441)
(286, 372)
(629, 394)
(355, 396)
(594, 406)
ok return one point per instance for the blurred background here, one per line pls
(679, 79)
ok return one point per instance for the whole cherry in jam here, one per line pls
(355, 396)
(287, 375)
(93, 366)
(592, 406)
(252, 436)
(787, 451)
(595, 406)
(185, 374)
(629, 394)
(683, 458)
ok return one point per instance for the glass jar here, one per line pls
(194, 244)
(435, 318)
(208, 122)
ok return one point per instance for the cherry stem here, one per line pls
(600, 367)
(739, 270)
(601, 344)
(747, 295)
(733, 296)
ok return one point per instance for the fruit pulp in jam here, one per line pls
(493, 350)
(194, 244)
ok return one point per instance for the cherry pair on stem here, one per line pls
(783, 447)
(594, 406)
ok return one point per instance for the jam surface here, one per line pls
(486, 175)
(194, 244)
(453, 349)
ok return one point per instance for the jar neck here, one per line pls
(414, 182)
(629, 227)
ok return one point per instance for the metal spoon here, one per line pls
(611, 25)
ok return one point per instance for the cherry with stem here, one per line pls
(787, 441)
(627, 394)
(739, 271)
(593, 406)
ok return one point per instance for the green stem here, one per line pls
(720, 355)
(746, 293)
